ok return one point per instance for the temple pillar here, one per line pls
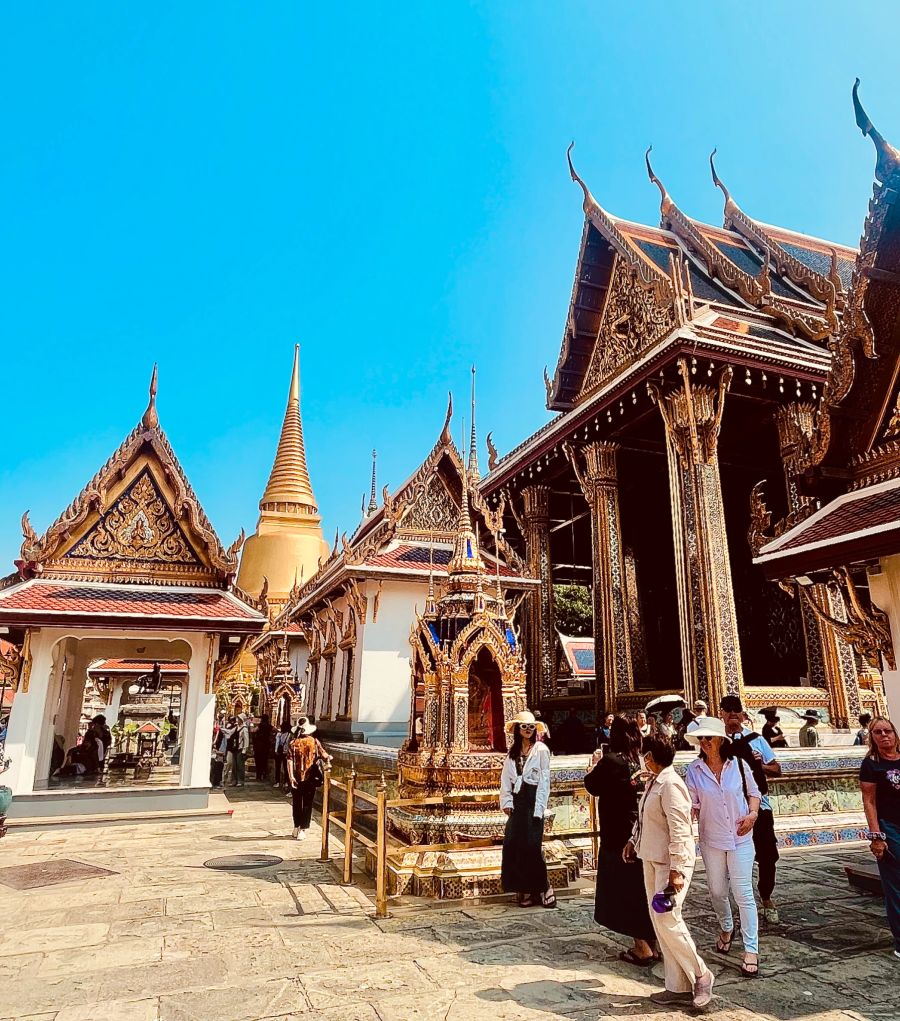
(831, 663)
(710, 648)
(612, 641)
(541, 627)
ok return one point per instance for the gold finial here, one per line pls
(289, 480)
(888, 158)
(150, 419)
(730, 204)
(446, 439)
(666, 204)
(473, 442)
(373, 503)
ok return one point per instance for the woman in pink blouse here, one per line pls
(726, 802)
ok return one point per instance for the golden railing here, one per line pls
(381, 803)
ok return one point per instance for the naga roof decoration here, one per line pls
(639, 288)
(138, 520)
(851, 457)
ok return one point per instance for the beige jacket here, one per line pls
(663, 832)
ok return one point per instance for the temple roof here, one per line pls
(788, 284)
(289, 479)
(137, 520)
(37, 602)
(138, 666)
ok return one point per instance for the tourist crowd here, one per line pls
(647, 813)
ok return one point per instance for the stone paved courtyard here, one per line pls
(165, 938)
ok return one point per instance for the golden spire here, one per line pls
(466, 559)
(289, 481)
(373, 502)
(474, 474)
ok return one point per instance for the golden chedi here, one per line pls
(288, 541)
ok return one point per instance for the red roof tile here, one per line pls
(52, 598)
(418, 559)
(138, 666)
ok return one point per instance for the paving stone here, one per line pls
(23, 941)
(113, 1010)
(367, 982)
(124, 953)
(240, 1002)
(161, 925)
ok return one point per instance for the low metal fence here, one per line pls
(387, 844)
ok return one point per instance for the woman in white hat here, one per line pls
(726, 799)
(524, 793)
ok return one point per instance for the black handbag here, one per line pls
(316, 774)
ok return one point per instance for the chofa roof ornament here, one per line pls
(888, 158)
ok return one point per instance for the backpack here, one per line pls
(232, 743)
(741, 748)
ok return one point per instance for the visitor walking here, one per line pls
(524, 793)
(664, 841)
(726, 800)
(616, 780)
(304, 764)
(262, 747)
(809, 734)
(241, 751)
(228, 743)
(862, 735)
(757, 753)
(282, 740)
(879, 781)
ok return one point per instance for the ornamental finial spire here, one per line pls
(150, 419)
(888, 158)
(289, 480)
(473, 442)
(730, 204)
(373, 502)
(665, 204)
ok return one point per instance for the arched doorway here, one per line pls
(485, 704)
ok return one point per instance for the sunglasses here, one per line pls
(882, 733)
(526, 726)
(702, 739)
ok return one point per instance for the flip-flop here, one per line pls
(750, 969)
(548, 900)
(723, 946)
(630, 957)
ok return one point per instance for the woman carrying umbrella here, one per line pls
(616, 781)
(524, 793)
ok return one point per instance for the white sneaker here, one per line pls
(299, 834)
(296, 833)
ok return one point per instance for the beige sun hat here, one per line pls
(708, 726)
(305, 728)
(526, 717)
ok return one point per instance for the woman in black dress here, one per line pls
(615, 780)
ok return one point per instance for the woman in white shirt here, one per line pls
(726, 800)
(524, 793)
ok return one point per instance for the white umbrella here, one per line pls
(664, 703)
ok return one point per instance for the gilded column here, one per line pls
(831, 663)
(541, 625)
(612, 641)
(709, 636)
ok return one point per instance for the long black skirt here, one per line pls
(620, 903)
(523, 868)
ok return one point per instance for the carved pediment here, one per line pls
(634, 317)
(432, 508)
(138, 527)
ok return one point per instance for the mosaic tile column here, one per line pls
(831, 663)
(710, 649)
(599, 482)
(541, 630)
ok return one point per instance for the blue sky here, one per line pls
(204, 184)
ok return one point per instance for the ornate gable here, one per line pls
(137, 520)
(432, 508)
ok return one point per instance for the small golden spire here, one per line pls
(888, 158)
(473, 442)
(150, 419)
(373, 502)
(289, 480)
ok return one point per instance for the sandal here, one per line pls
(526, 900)
(548, 899)
(630, 957)
(724, 945)
(750, 969)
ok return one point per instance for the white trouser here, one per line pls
(734, 868)
(682, 962)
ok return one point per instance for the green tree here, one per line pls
(572, 605)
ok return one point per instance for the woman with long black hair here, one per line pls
(524, 793)
(616, 780)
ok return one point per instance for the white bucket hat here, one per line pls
(708, 726)
(305, 728)
(526, 717)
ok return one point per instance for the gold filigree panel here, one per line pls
(139, 526)
(432, 508)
